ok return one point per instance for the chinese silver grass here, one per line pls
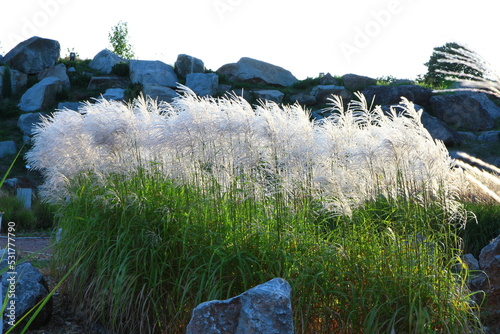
(352, 157)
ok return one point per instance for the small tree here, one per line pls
(118, 38)
(446, 61)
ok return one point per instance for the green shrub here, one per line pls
(121, 69)
(14, 211)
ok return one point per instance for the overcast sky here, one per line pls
(367, 37)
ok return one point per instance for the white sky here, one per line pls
(366, 37)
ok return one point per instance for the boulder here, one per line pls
(42, 95)
(265, 308)
(440, 131)
(149, 72)
(402, 82)
(33, 55)
(244, 93)
(27, 122)
(256, 71)
(322, 93)
(75, 106)
(461, 111)
(486, 103)
(30, 288)
(105, 82)
(185, 65)
(354, 82)
(467, 136)
(203, 84)
(58, 71)
(104, 61)
(329, 79)
(160, 93)
(18, 80)
(389, 95)
(7, 148)
(303, 99)
(269, 95)
(490, 136)
(117, 94)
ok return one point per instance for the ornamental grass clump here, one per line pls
(205, 198)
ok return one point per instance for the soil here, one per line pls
(64, 319)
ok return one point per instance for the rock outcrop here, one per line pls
(58, 71)
(265, 308)
(33, 55)
(42, 95)
(185, 65)
(256, 71)
(354, 82)
(18, 80)
(203, 84)
(149, 72)
(461, 111)
(104, 61)
(30, 288)
(388, 95)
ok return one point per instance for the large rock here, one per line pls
(461, 111)
(269, 95)
(185, 65)
(18, 80)
(30, 288)
(324, 93)
(354, 82)
(42, 95)
(7, 148)
(256, 71)
(117, 94)
(160, 93)
(101, 83)
(203, 84)
(263, 309)
(303, 99)
(104, 61)
(33, 55)
(28, 122)
(388, 95)
(152, 72)
(488, 281)
(486, 103)
(439, 130)
(58, 71)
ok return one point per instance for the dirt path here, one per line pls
(25, 246)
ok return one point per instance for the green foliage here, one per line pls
(133, 91)
(483, 226)
(14, 211)
(121, 69)
(160, 247)
(6, 83)
(118, 38)
(307, 83)
(436, 66)
(9, 108)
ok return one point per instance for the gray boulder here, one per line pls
(149, 72)
(490, 136)
(486, 103)
(185, 65)
(461, 111)
(42, 95)
(58, 71)
(104, 61)
(322, 93)
(101, 83)
(75, 106)
(354, 82)
(160, 93)
(30, 288)
(329, 79)
(18, 80)
(203, 84)
(27, 122)
(117, 94)
(389, 95)
(269, 95)
(265, 308)
(7, 148)
(303, 99)
(256, 71)
(33, 55)
(439, 130)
